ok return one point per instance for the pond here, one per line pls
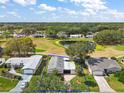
(66, 44)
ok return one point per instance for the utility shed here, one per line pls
(102, 66)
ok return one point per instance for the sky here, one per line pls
(61, 10)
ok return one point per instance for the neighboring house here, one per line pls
(62, 34)
(89, 35)
(102, 66)
(61, 65)
(39, 34)
(76, 36)
(29, 64)
(2, 60)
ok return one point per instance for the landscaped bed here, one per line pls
(79, 83)
(7, 84)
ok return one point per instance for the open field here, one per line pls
(7, 84)
(52, 46)
(48, 46)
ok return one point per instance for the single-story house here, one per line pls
(61, 65)
(102, 66)
(76, 36)
(29, 64)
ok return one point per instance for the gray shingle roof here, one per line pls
(102, 63)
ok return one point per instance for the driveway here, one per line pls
(68, 78)
(17, 89)
(103, 85)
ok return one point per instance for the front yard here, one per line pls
(7, 84)
(114, 82)
(79, 83)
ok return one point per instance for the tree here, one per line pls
(81, 50)
(20, 47)
(109, 37)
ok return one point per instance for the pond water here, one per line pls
(66, 44)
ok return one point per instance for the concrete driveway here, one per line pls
(18, 89)
(103, 85)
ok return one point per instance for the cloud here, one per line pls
(25, 2)
(2, 16)
(4, 1)
(13, 13)
(46, 7)
(3, 7)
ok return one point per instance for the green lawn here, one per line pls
(100, 48)
(78, 83)
(119, 47)
(7, 84)
(115, 84)
(39, 50)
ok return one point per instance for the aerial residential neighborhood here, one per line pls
(61, 46)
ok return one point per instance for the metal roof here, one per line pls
(28, 62)
(60, 64)
(56, 63)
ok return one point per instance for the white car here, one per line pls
(22, 86)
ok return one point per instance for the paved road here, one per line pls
(17, 89)
(103, 85)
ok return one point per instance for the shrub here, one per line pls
(120, 76)
(114, 58)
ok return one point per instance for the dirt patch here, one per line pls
(108, 52)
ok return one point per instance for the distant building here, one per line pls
(102, 66)
(29, 64)
(39, 34)
(76, 36)
(89, 35)
(61, 65)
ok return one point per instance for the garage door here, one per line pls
(67, 71)
(98, 73)
(28, 71)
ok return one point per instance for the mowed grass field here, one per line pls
(52, 46)
(48, 46)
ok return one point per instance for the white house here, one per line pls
(33, 65)
(76, 36)
(29, 64)
(62, 65)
